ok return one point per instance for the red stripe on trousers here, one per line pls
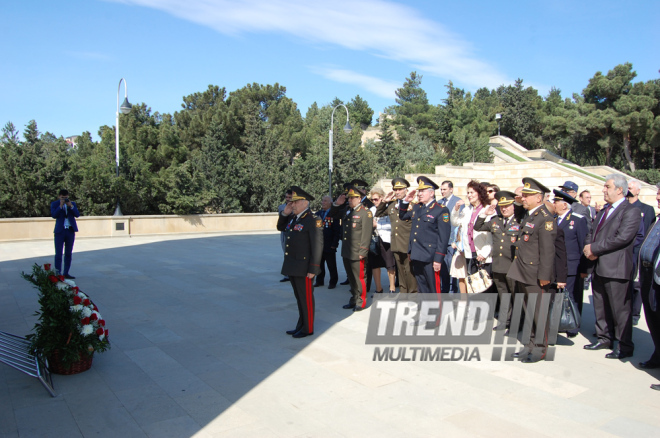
(438, 282)
(363, 283)
(310, 305)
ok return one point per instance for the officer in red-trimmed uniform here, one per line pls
(429, 236)
(302, 255)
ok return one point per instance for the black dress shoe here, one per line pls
(598, 345)
(649, 365)
(617, 354)
(292, 332)
(522, 353)
(358, 309)
(332, 286)
(655, 386)
(379, 291)
(344, 283)
(571, 335)
(69, 277)
(284, 279)
(348, 306)
(300, 334)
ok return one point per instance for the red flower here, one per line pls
(99, 331)
(47, 266)
(75, 289)
(102, 322)
(60, 277)
(84, 321)
(106, 333)
(93, 317)
(53, 278)
(86, 302)
(95, 308)
(77, 300)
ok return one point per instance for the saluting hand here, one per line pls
(341, 199)
(288, 209)
(410, 196)
(490, 210)
(389, 196)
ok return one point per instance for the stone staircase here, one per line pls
(512, 162)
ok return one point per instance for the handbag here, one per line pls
(478, 282)
(374, 245)
(570, 316)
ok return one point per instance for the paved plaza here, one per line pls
(198, 350)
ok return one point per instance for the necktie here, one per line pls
(603, 218)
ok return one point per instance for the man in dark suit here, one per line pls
(649, 274)
(574, 227)
(65, 212)
(505, 230)
(331, 235)
(570, 188)
(533, 267)
(585, 200)
(302, 255)
(400, 233)
(429, 237)
(448, 200)
(611, 249)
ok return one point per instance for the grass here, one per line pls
(511, 154)
(577, 169)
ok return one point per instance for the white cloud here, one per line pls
(375, 85)
(381, 28)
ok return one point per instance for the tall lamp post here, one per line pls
(125, 108)
(498, 117)
(347, 129)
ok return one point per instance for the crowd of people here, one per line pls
(530, 240)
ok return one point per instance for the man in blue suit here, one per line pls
(575, 229)
(65, 212)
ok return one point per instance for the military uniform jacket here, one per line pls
(358, 226)
(575, 230)
(331, 231)
(304, 244)
(430, 231)
(535, 248)
(504, 240)
(400, 228)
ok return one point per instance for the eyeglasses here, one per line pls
(375, 199)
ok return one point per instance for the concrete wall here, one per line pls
(115, 226)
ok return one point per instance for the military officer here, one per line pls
(429, 236)
(576, 235)
(400, 233)
(505, 230)
(533, 265)
(302, 257)
(357, 225)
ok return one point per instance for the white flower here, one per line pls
(82, 295)
(70, 283)
(76, 308)
(86, 330)
(102, 337)
(86, 312)
(62, 286)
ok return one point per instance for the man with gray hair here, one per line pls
(610, 253)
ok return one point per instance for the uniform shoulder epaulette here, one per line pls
(577, 214)
(545, 213)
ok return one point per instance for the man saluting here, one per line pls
(302, 255)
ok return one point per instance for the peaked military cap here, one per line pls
(297, 194)
(425, 183)
(400, 183)
(530, 185)
(563, 196)
(353, 192)
(359, 183)
(570, 185)
(505, 198)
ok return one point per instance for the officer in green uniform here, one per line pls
(302, 255)
(505, 229)
(533, 267)
(357, 225)
(400, 233)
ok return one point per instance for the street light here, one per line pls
(347, 129)
(498, 117)
(125, 108)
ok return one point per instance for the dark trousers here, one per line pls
(407, 282)
(504, 285)
(303, 289)
(613, 308)
(636, 291)
(575, 288)
(64, 240)
(357, 277)
(330, 259)
(652, 317)
(428, 280)
(537, 346)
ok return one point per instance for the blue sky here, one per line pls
(63, 60)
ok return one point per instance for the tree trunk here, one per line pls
(626, 151)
